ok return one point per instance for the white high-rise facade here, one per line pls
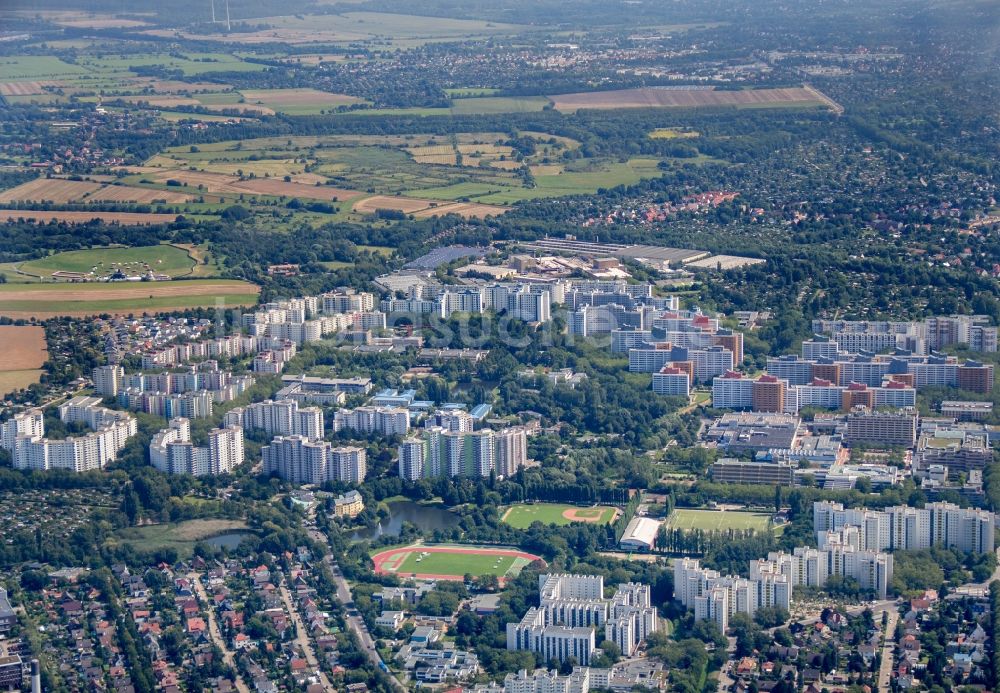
(717, 597)
(902, 527)
(385, 420)
(110, 431)
(108, 380)
(301, 460)
(283, 417)
(512, 450)
(573, 610)
(172, 452)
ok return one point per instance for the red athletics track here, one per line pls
(387, 562)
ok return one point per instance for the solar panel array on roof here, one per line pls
(442, 256)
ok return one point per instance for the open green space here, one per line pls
(521, 516)
(161, 259)
(181, 536)
(36, 67)
(474, 166)
(718, 520)
(191, 64)
(587, 177)
(499, 104)
(456, 564)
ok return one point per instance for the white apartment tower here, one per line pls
(108, 380)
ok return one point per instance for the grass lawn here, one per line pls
(498, 104)
(456, 564)
(450, 562)
(162, 259)
(181, 536)
(378, 249)
(683, 518)
(672, 134)
(37, 67)
(521, 516)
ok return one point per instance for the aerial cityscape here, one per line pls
(508, 346)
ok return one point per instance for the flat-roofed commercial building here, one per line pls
(729, 470)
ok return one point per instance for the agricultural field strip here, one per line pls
(652, 97)
(62, 191)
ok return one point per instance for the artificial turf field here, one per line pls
(711, 520)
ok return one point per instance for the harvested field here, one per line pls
(421, 208)
(23, 348)
(438, 159)
(121, 298)
(101, 22)
(653, 97)
(11, 381)
(49, 189)
(506, 165)
(407, 205)
(276, 98)
(220, 183)
(63, 191)
(26, 88)
(462, 209)
(124, 193)
(124, 218)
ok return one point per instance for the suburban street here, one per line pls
(888, 650)
(354, 621)
(302, 636)
(213, 630)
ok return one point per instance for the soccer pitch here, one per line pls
(721, 520)
(451, 562)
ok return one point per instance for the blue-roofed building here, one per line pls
(481, 411)
(394, 398)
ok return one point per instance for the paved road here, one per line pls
(888, 650)
(213, 630)
(725, 682)
(354, 622)
(302, 636)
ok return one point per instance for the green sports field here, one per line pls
(710, 520)
(451, 562)
(521, 516)
(456, 564)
